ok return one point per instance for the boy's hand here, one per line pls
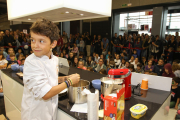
(176, 107)
(75, 78)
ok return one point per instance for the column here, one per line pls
(159, 21)
(116, 24)
(66, 27)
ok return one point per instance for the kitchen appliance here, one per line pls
(63, 66)
(74, 92)
(125, 75)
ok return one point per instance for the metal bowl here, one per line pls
(74, 92)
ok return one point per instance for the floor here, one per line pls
(171, 116)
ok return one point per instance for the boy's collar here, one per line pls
(45, 57)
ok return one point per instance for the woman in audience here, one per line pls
(136, 62)
(117, 61)
(168, 71)
(149, 66)
(75, 49)
(62, 55)
(126, 65)
(81, 65)
(131, 60)
(89, 62)
(138, 45)
(3, 61)
(65, 54)
(75, 63)
(122, 64)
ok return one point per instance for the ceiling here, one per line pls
(3, 7)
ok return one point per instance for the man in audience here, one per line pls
(99, 66)
(114, 42)
(8, 39)
(104, 45)
(159, 67)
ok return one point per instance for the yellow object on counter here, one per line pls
(101, 113)
(138, 110)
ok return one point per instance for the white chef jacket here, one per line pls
(40, 74)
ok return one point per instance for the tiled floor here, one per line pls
(2, 107)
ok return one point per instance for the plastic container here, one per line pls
(138, 110)
(96, 84)
(15, 67)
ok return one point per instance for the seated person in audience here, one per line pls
(131, 60)
(175, 93)
(4, 52)
(136, 62)
(144, 62)
(22, 61)
(169, 56)
(117, 61)
(168, 71)
(65, 47)
(159, 67)
(139, 68)
(75, 63)
(147, 72)
(71, 57)
(149, 66)
(176, 69)
(26, 55)
(94, 55)
(123, 63)
(3, 61)
(114, 55)
(135, 54)
(131, 68)
(176, 61)
(89, 62)
(111, 65)
(96, 60)
(126, 65)
(55, 53)
(102, 57)
(20, 57)
(81, 65)
(90, 69)
(81, 57)
(152, 59)
(65, 54)
(124, 55)
(19, 53)
(109, 53)
(99, 66)
(10, 51)
(12, 61)
(103, 71)
(75, 49)
(61, 55)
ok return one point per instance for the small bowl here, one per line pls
(15, 67)
(21, 68)
(96, 84)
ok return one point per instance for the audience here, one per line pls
(99, 66)
(168, 71)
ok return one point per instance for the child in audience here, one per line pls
(61, 55)
(90, 69)
(114, 55)
(19, 53)
(148, 72)
(81, 57)
(176, 69)
(103, 71)
(94, 55)
(139, 68)
(10, 51)
(131, 68)
(81, 44)
(65, 54)
(149, 66)
(75, 63)
(81, 65)
(175, 93)
(144, 62)
(3, 61)
(97, 58)
(159, 67)
(109, 53)
(122, 63)
(124, 55)
(169, 56)
(22, 61)
(131, 60)
(71, 58)
(12, 60)
(136, 62)
(152, 59)
(4, 52)
(126, 65)
(75, 49)
(89, 62)
(117, 61)
(20, 57)
(135, 54)
(168, 71)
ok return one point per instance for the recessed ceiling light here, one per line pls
(67, 12)
(29, 18)
(81, 14)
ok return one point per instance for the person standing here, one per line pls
(145, 46)
(114, 42)
(97, 45)
(8, 39)
(105, 45)
(88, 45)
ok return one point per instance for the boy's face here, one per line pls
(97, 55)
(117, 57)
(19, 51)
(174, 83)
(10, 51)
(22, 63)
(12, 58)
(2, 48)
(135, 52)
(41, 45)
(169, 50)
(160, 62)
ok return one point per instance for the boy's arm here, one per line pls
(176, 106)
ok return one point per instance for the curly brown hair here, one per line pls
(46, 28)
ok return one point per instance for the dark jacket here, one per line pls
(158, 69)
(169, 67)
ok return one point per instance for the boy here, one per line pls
(4, 52)
(81, 44)
(19, 52)
(10, 51)
(22, 61)
(40, 74)
(135, 54)
(175, 93)
(139, 68)
(159, 67)
(12, 60)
